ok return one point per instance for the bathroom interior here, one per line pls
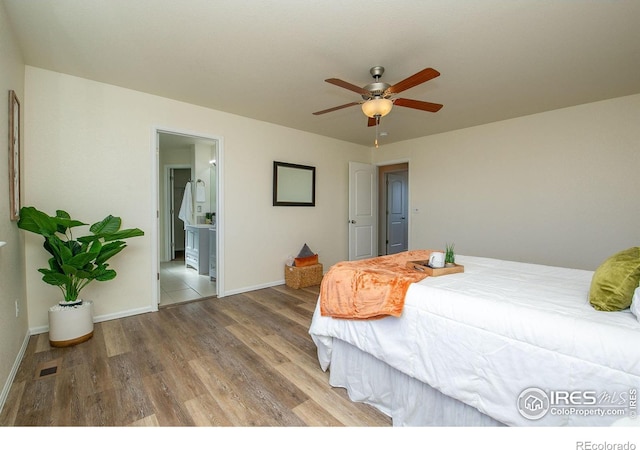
(187, 210)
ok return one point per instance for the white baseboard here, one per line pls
(121, 314)
(102, 318)
(252, 288)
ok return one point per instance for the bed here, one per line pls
(503, 343)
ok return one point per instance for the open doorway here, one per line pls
(393, 208)
(187, 217)
(178, 177)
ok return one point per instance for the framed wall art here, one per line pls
(14, 155)
(293, 184)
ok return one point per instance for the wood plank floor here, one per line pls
(242, 360)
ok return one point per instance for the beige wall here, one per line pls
(90, 153)
(557, 188)
(13, 330)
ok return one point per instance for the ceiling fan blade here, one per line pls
(414, 80)
(371, 122)
(351, 87)
(335, 108)
(417, 104)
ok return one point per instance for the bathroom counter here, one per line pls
(196, 247)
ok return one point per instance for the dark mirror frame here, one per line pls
(284, 176)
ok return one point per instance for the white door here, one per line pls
(397, 208)
(363, 236)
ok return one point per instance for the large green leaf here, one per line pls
(87, 240)
(69, 270)
(94, 248)
(64, 221)
(124, 234)
(81, 260)
(54, 278)
(59, 249)
(106, 226)
(36, 221)
(53, 265)
(106, 275)
(88, 274)
(109, 250)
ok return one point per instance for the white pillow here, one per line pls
(635, 303)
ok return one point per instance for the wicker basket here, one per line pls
(299, 277)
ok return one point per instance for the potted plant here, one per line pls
(74, 263)
(449, 256)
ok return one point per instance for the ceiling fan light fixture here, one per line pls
(377, 107)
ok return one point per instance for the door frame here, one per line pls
(383, 227)
(379, 165)
(403, 177)
(168, 218)
(377, 198)
(155, 198)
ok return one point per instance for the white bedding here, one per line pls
(485, 335)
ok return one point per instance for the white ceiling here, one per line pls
(268, 60)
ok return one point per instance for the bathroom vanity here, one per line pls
(200, 249)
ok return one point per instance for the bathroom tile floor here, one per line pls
(180, 284)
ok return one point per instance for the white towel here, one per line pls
(186, 208)
(200, 194)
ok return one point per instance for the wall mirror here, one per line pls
(293, 184)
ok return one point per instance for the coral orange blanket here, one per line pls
(369, 288)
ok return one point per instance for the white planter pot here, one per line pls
(70, 325)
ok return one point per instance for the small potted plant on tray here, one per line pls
(75, 263)
(449, 256)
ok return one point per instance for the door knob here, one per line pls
(352, 221)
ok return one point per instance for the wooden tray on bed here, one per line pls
(423, 266)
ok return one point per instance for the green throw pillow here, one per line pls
(616, 279)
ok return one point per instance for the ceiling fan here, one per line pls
(377, 97)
